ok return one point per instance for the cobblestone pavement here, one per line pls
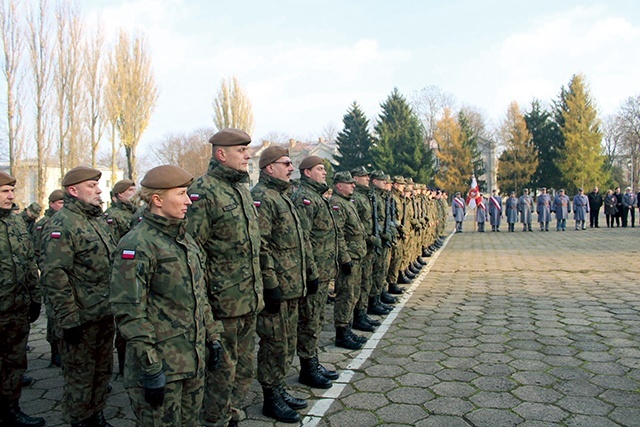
(525, 329)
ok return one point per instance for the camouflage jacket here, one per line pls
(37, 234)
(401, 227)
(284, 251)
(29, 222)
(224, 222)
(353, 233)
(18, 273)
(364, 209)
(319, 226)
(159, 299)
(76, 262)
(119, 217)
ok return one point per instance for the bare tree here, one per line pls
(191, 152)
(94, 86)
(330, 132)
(232, 108)
(41, 57)
(133, 93)
(13, 42)
(430, 103)
(628, 119)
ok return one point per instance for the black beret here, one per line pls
(80, 174)
(230, 137)
(165, 177)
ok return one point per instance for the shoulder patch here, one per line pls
(194, 197)
(39, 227)
(128, 254)
(109, 220)
(55, 234)
(306, 201)
(257, 203)
(335, 207)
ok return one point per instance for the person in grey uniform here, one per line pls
(495, 210)
(458, 208)
(580, 209)
(525, 208)
(544, 209)
(511, 211)
(562, 207)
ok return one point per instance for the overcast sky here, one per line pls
(302, 63)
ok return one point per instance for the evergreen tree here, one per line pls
(470, 142)
(455, 164)
(401, 148)
(518, 161)
(354, 141)
(548, 143)
(582, 161)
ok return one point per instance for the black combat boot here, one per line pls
(14, 417)
(421, 261)
(85, 423)
(310, 374)
(387, 298)
(25, 381)
(375, 308)
(371, 321)
(402, 279)
(327, 373)
(360, 323)
(292, 402)
(417, 266)
(99, 420)
(395, 289)
(409, 273)
(426, 253)
(56, 360)
(345, 340)
(275, 407)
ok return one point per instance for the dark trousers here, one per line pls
(593, 217)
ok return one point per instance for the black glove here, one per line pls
(72, 336)
(346, 267)
(312, 286)
(272, 300)
(154, 389)
(215, 355)
(34, 311)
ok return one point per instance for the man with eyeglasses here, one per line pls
(288, 273)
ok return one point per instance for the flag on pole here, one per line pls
(473, 197)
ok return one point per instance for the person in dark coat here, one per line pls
(629, 203)
(595, 203)
(618, 214)
(610, 202)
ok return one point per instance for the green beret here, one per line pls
(343, 177)
(230, 137)
(56, 195)
(359, 171)
(310, 161)
(34, 208)
(377, 174)
(6, 179)
(165, 177)
(80, 174)
(122, 186)
(271, 154)
(409, 181)
(398, 180)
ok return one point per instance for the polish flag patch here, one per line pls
(257, 203)
(335, 207)
(139, 219)
(39, 228)
(109, 220)
(306, 201)
(55, 234)
(128, 254)
(194, 197)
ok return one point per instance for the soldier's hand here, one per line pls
(346, 268)
(154, 389)
(72, 336)
(34, 311)
(312, 286)
(215, 355)
(377, 242)
(272, 300)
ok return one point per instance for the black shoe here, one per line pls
(25, 380)
(426, 253)
(345, 340)
(56, 360)
(311, 376)
(416, 266)
(403, 280)
(371, 321)
(386, 298)
(109, 388)
(360, 322)
(357, 338)
(389, 308)
(275, 407)
(15, 417)
(85, 423)
(232, 423)
(397, 290)
(332, 375)
(410, 274)
(421, 261)
(99, 420)
(292, 402)
(375, 308)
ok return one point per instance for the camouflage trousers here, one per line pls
(396, 261)
(87, 368)
(227, 387)
(181, 407)
(347, 294)
(311, 321)
(367, 280)
(380, 270)
(278, 335)
(14, 330)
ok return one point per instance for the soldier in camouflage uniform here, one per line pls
(224, 222)
(76, 262)
(56, 201)
(20, 304)
(352, 249)
(29, 215)
(396, 274)
(119, 216)
(364, 202)
(287, 266)
(321, 231)
(159, 299)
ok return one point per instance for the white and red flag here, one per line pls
(473, 197)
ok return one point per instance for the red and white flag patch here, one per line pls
(335, 207)
(55, 234)
(257, 203)
(306, 201)
(194, 197)
(109, 220)
(128, 254)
